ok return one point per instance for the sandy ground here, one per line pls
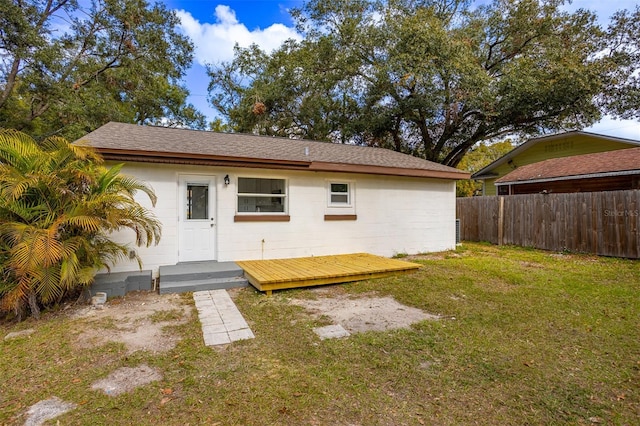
(138, 320)
(365, 313)
(47, 410)
(126, 379)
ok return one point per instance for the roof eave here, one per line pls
(478, 176)
(199, 159)
(389, 171)
(224, 161)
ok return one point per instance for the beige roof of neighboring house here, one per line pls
(130, 142)
(622, 161)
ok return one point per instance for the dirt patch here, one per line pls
(365, 313)
(126, 379)
(47, 410)
(19, 334)
(140, 320)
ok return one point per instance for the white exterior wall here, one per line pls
(394, 215)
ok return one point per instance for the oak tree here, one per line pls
(428, 77)
(67, 67)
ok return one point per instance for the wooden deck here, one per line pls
(269, 275)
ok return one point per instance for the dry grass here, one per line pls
(529, 337)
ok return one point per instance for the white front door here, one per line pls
(196, 217)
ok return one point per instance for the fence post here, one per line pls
(501, 221)
(592, 222)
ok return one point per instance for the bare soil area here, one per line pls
(365, 313)
(47, 410)
(126, 379)
(140, 320)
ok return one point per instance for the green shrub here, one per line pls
(58, 206)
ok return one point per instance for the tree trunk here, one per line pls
(33, 305)
(10, 82)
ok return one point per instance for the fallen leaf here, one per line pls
(596, 420)
(167, 391)
(621, 397)
(164, 400)
(76, 380)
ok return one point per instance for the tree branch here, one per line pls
(11, 81)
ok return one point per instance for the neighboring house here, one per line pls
(603, 171)
(547, 147)
(227, 196)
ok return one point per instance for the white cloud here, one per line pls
(629, 129)
(214, 42)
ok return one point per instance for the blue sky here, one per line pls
(215, 26)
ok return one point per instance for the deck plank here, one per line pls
(278, 274)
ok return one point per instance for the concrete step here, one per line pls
(182, 286)
(117, 284)
(198, 271)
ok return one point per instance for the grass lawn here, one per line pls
(526, 337)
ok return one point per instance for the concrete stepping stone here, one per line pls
(47, 410)
(333, 331)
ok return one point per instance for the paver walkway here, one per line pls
(221, 320)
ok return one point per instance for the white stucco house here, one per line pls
(230, 197)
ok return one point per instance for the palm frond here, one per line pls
(46, 284)
(89, 224)
(59, 206)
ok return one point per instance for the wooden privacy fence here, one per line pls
(603, 223)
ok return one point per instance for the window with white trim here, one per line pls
(339, 194)
(257, 195)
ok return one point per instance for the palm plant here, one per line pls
(59, 206)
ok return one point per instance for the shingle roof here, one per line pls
(618, 161)
(129, 142)
(487, 171)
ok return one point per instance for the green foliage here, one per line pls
(623, 97)
(478, 157)
(58, 207)
(115, 60)
(217, 125)
(429, 78)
